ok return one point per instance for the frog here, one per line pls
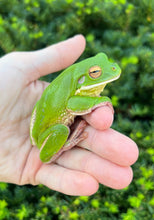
(75, 92)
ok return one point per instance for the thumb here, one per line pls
(58, 56)
(35, 64)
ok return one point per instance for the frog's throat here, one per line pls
(95, 89)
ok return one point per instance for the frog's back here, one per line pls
(52, 105)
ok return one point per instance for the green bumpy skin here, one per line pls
(76, 91)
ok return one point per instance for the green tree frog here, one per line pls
(75, 92)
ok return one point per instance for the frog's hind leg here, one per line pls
(56, 141)
(51, 142)
(75, 137)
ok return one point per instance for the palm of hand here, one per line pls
(17, 101)
(76, 172)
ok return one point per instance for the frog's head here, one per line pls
(95, 73)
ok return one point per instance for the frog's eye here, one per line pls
(95, 72)
(114, 68)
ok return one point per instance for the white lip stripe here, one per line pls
(98, 84)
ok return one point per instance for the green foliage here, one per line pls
(124, 30)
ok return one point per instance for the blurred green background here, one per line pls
(123, 29)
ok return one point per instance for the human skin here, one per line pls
(104, 157)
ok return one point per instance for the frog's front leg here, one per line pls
(51, 141)
(81, 105)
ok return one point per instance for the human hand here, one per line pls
(104, 157)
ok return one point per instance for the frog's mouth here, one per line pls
(95, 89)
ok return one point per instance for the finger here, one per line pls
(106, 172)
(111, 145)
(101, 118)
(67, 181)
(51, 59)
(58, 56)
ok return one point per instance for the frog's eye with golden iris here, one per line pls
(95, 72)
(114, 68)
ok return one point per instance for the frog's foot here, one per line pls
(103, 104)
(77, 134)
